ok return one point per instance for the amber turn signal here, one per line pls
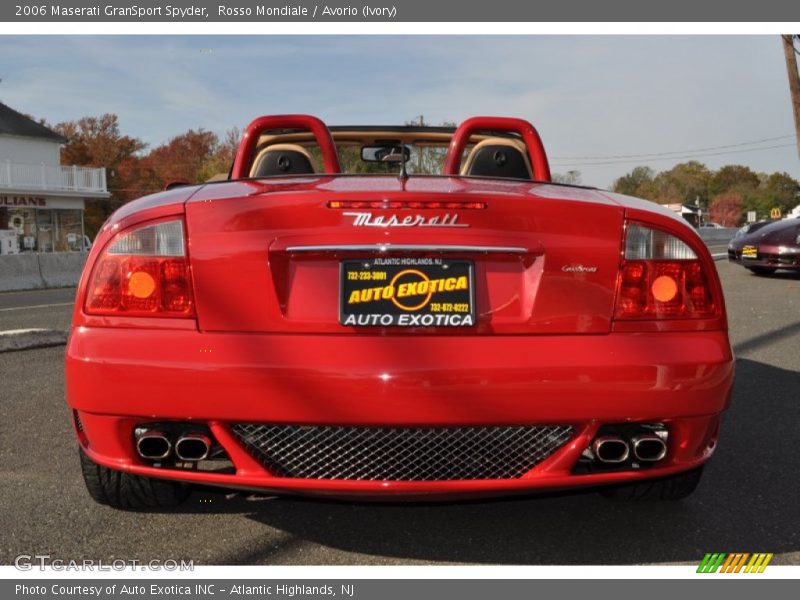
(664, 288)
(141, 284)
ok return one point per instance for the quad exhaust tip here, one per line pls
(611, 449)
(192, 446)
(153, 444)
(648, 447)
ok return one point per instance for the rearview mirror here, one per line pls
(385, 154)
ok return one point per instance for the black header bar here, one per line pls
(463, 11)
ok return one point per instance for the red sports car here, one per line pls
(395, 312)
(767, 246)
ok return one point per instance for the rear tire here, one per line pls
(130, 492)
(674, 487)
(761, 271)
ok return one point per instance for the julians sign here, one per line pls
(36, 201)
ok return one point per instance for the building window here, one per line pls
(41, 230)
(68, 230)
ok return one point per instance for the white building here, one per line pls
(687, 212)
(41, 201)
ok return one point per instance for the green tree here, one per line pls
(219, 163)
(428, 159)
(639, 182)
(570, 177)
(685, 183)
(734, 178)
(780, 190)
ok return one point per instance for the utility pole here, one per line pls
(794, 82)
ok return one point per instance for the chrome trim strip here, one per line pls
(407, 248)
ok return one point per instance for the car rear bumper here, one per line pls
(768, 258)
(118, 378)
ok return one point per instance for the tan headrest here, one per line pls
(496, 141)
(282, 148)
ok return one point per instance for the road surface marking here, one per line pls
(21, 331)
(36, 306)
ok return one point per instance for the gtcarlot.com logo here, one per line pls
(737, 562)
(29, 562)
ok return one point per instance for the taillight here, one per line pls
(661, 278)
(144, 272)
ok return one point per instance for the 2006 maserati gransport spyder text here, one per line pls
(395, 312)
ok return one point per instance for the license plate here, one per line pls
(749, 252)
(407, 292)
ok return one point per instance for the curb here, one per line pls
(28, 339)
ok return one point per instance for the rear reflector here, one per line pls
(661, 278)
(144, 272)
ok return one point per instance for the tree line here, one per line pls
(133, 170)
(725, 195)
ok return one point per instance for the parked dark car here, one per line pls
(767, 246)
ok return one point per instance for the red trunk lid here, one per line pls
(266, 255)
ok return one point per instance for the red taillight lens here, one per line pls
(661, 278)
(144, 272)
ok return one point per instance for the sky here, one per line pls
(651, 100)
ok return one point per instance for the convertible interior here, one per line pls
(380, 150)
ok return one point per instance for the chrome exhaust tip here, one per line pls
(648, 447)
(153, 444)
(610, 449)
(192, 446)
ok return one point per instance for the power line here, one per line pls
(657, 158)
(679, 152)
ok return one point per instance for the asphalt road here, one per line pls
(747, 500)
(50, 309)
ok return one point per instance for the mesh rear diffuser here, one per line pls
(401, 453)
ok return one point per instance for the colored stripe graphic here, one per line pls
(721, 562)
(751, 563)
(727, 566)
(741, 562)
(758, 563)
(711, 562)
(766, 562)
(706, 559)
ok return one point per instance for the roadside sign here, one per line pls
(775, 213)
(751, 216)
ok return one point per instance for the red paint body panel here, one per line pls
(403, 380)
(681, 379)
(247, 239)
(267, 345)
